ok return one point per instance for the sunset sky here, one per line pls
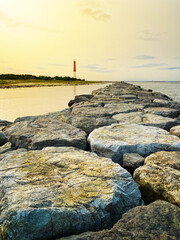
(110, 39)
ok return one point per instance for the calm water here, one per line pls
(171, 89)
(35, 101)
(20, 102)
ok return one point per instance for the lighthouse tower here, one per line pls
(74, 69)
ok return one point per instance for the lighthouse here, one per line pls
(74, 69)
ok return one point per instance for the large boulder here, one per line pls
(147, 119)
(115, 140)
(159, 178)
(107, 111)
(175, 131)
(163, 111)
(158, 220)
(61, 191)
(159, 121)
(87, 124)
(42, 133)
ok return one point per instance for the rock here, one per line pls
(115, 140)
(159, 121)
(3, 139)
(158, 220)
(132, 117)
(175, 131)
(165, 103)
(165, 112)
(88, 124)
(4, 123)
(159, 178)
(61, 191)
(123, 107)
(80, 98)
(107, 111)
(147, 119)
(42, 133)
(48, 116)
(6, 147)
(131, 161)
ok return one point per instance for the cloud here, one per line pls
(146, 35)
(96, 68)
(96, 14)
(13, 22)
(55, 65)
(149, 65)
(145, 57)
(111, 59)
(170, 68)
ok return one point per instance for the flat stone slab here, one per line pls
(132, 117)
(163, 111)
(175, 131)
(61, 191)
(159, 121)
(42, 133)
(158, 220)
(159, 178)
(115, 140)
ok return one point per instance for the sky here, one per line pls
(115, 40)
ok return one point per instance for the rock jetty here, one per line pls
(107, 167)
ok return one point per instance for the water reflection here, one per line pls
(39, 100)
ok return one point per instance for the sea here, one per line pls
(19, 102)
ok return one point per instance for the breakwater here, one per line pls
(110, 157)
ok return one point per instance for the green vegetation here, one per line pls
(27, 80)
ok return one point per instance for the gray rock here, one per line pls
(3, 139)
(131, 161)
(175, 131)
(115, 140)
(42, 133)
(132, 117)
(159, 178)
(159, 121)
(4, 123)
(61, 191)
(158, 220)
(80, 98)
(163, 111)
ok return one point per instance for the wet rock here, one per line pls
(61, 191)
(175, 131)
(3, 139)
(42, 133)
(165, 112)
(158, 220)
(115, 140)
(159, 178)
(159, 121)
(131, 161)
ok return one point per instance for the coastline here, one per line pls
(22, 85)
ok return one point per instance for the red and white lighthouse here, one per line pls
(74, 69)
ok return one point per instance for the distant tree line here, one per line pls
(29, 76)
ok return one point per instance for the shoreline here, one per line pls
(13, 86)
